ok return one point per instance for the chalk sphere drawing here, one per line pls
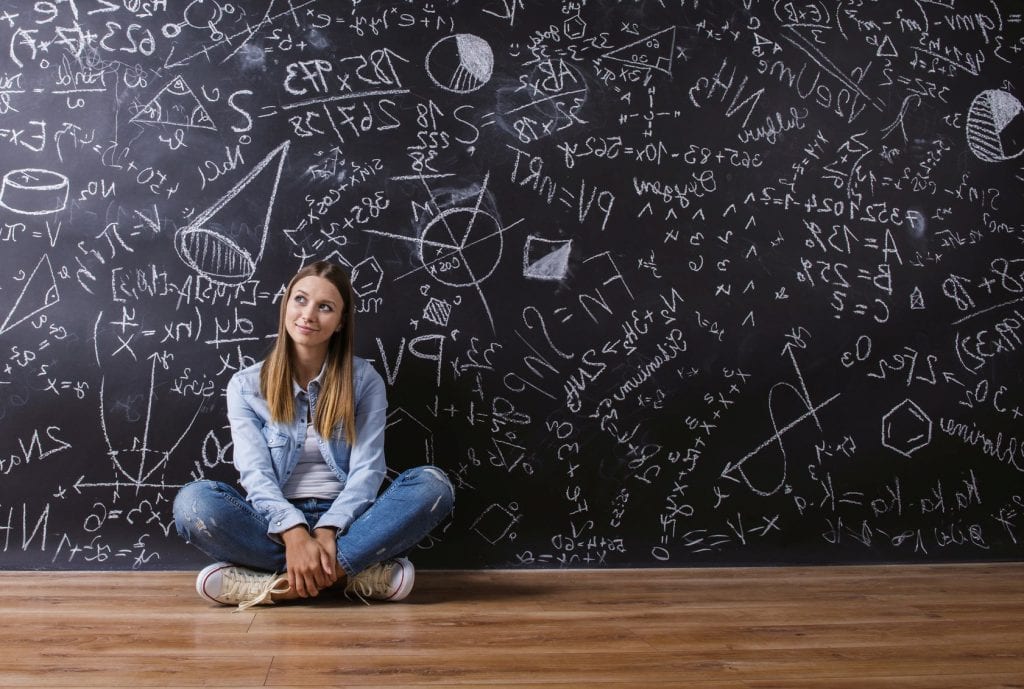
(995, 126)
(460, 63)
(32, 191)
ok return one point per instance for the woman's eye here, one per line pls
(326, 307)
(299, 298)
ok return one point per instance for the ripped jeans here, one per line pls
(218, 520)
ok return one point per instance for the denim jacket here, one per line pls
(265, 453)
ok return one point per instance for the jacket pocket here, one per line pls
(277, 443)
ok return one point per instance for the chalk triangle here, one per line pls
(39, 293)
(651, 52)
(886, 48)
(176, 105)
(917, 299)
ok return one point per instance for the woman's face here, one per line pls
(314, 313)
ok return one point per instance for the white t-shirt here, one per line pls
(312, 478)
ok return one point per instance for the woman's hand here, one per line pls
(327, 537)
(310, 565)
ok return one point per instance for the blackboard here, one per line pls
(656, 283)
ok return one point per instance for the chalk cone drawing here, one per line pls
(39, 293)
(651, 52)
(995, 126)
(460, 63)
(34, 191)
(546, 259)
(225, 242)
(176, 105)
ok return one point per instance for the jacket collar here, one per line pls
(297, 389)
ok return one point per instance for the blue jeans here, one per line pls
(215, 518)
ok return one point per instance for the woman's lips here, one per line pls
(303, 329)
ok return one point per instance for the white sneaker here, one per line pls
(228, 584)
(390, 580)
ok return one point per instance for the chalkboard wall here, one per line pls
(656, 283)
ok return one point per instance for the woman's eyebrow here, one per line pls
(306, 294)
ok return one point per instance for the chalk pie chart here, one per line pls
(460, 63)
(995, 126)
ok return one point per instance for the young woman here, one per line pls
(307, 425)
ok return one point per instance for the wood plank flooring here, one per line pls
(871, 627)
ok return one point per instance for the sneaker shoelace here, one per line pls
(252, 588)
(375, 580)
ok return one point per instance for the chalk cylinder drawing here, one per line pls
(33, 191)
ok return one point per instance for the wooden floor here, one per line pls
(788, 628)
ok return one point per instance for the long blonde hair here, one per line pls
(336, 402)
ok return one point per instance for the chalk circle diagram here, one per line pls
(458, 239)
(461, 246)
(995, 126)
(33, 191)
(225, 242)
(460, 63)
(175, 105)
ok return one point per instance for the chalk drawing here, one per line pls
(176, 105)
(651, 52)
(460, 63)
(227, 251)
(995, 126)
(39, 293)
(906, 428)
(33, 191)
(546, 259)
(495, 523)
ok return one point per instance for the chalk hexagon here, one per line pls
(367, 277)
(906, 428)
